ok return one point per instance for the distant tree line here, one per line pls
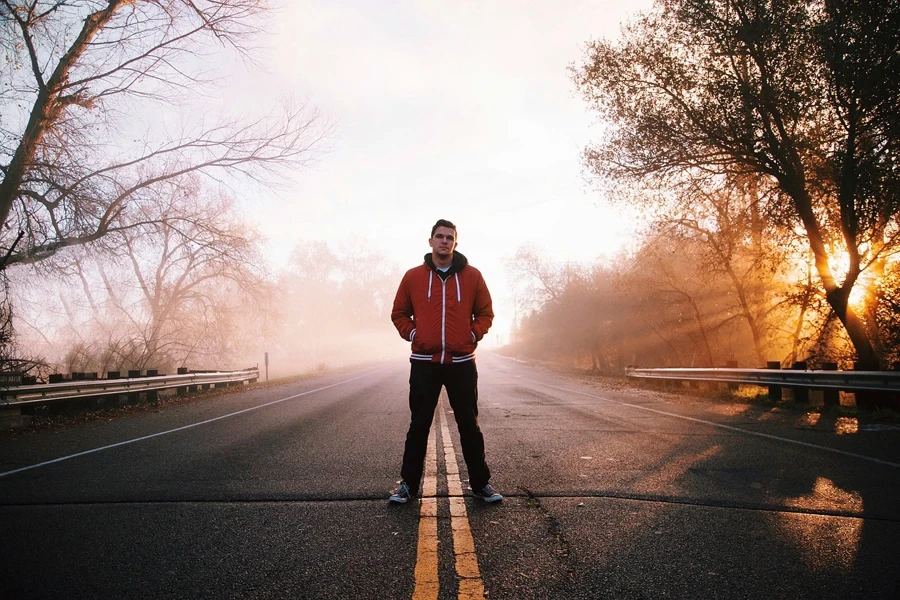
(333, 305)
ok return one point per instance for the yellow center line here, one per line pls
(470, 585)
(427, 585)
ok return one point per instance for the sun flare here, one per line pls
(839, 261)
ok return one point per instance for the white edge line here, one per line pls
(728, 427)
(182, 428)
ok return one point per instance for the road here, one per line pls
(280, 491)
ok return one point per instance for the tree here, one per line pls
(723, 223)
(180, 289)
(368, 284)
(537, 279)
(683, 304)
(79, 78)
(180, 262)
(803, 94)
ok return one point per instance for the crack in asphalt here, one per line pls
(555, 529)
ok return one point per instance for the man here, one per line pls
(444, 308)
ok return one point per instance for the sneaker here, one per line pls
(401, 494)
(488, 494)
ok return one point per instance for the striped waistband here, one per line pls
(456, 359)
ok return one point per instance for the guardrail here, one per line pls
(879, 387)
(883, 381)
(25, 395)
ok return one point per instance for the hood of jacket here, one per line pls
(459, 263)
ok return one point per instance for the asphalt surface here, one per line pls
(281, 492)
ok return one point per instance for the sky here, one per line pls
(457, 110)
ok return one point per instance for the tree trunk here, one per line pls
(856, 329)
(874, 296)
(836, 295)
(698, 317)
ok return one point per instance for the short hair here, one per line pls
(443, 223)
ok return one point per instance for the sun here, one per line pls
(839, 262)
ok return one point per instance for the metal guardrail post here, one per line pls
(152, 395)
(732, 364)
(774, 390)
(830, 397)
(801, 394)
(193, 389)
(112, 376)
(864, 398)
(182, 390)
(135, 397)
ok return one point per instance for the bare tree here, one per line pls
(177, 290)
(81, 75)
(537, 278)
(182, 262)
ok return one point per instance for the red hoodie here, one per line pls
(444, 315)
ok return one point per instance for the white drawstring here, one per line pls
(429, 285)
(458, 295)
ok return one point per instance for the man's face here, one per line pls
(443, 242)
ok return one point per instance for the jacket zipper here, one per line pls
(443, 319)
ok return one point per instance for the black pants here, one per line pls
(425, 382)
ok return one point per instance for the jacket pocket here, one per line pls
(421, 345)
